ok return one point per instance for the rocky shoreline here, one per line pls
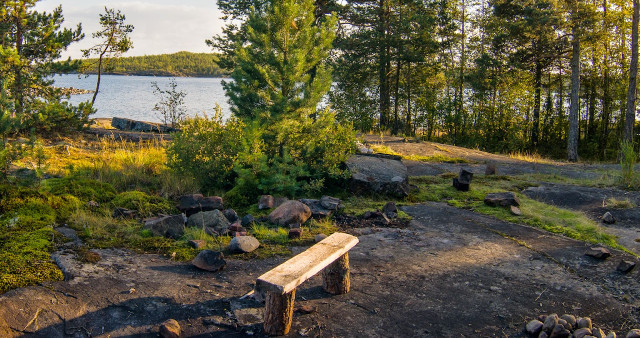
(75, 91)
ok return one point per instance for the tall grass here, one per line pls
(627, 162)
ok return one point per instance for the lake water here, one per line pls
(132, 96)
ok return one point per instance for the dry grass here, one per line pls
(531, 158)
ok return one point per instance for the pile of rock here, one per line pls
(553, 326)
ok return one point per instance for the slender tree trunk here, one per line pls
(572, 144)
(383, 70)
(93, 100)
(535, 132)
(408, 127)
(396, 122)
(630, 117)
(606, 94)
(19, 86)
(460, 108)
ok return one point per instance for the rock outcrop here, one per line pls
(378, 175)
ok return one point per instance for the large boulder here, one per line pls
(209, 219)
(133, 125)
(167, 226)
(290, 212)
(378, 175)
(191, 204)
(502, 199)
(316, 207)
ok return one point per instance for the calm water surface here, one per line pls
(132, 96)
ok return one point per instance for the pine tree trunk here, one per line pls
(383, 67)
(572, 146)
(535, 132)
(630, 117)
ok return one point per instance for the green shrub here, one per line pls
(58, 116)
(206, 149)
(82, 188)
(146, 205)
(627, 162)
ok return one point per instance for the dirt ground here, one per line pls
(449, 273)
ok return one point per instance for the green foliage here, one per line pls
(170, 108)
(627, 163)
(146, 205)
(83, 188)
(177, 64)
(58, 117)
(206, 148)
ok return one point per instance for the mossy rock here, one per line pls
(146, 205)
(82, 188)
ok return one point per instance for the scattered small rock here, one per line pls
(306, 309)
(516, 211)
(192, 204)
(550, 322)
(598, 253)
(290, 212)
(584, 322)
(124, 213)
(231, 215)
(580, 333)
(635, 333)
(534, 327)
(390, 207)
(626, 266)
(502, 199)
(243, 244)
(295, 233)
(210, 260)
(247, 220)
(265, 202)
(491, 169)
(197, 243)
(608, 218)
(598, 333)
(320, 237)
(170, 329)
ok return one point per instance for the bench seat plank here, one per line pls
(287, 276)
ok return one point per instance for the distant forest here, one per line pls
(177, 64)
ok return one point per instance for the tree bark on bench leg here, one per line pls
(335, 277)
(278, 313)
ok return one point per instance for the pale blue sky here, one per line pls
(161, 26)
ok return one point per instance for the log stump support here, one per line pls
(278, 313)
(335, 277)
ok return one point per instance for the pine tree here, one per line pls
(280, 71)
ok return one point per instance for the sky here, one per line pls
(161, 26)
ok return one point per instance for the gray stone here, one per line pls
(543, 335)
(612, 335)
(534, 327)
(570, 319)
(465, 176)
(290, 212)
(515, 210)
(67, 233)
(491, 169)
(320, 237)
(376, 175)
(608, 218)
(317, 210)
(167, 226)
(265, 202)
(330, 203)
(559, 331)
(584, 322)
(133, 125)
(231, 215)
(626, 266)
(390, 207)
(580, 333)
(243, 244)
(214, 219)
(550, 322)
(170, 329)
(460, 186)
(209, 260)
(598, 253)
(502, 199)
(635, 333)
(192, 204)
(278, 201)
(598, 333)
(247, 220)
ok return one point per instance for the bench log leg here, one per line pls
(278, 313)
(335, 277)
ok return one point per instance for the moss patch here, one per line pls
(82, 188)
(145, 205)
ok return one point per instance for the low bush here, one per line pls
(145, 205)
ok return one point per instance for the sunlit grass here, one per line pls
(531, 158)
(382, 149)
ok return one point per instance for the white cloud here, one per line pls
(160, 27)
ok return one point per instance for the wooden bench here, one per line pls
(278, 286)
